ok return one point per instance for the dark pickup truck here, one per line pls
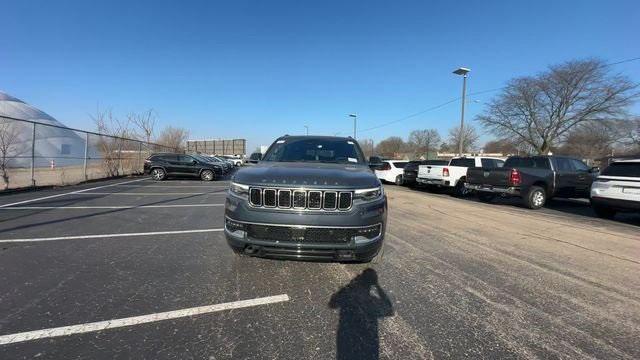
(535, 179)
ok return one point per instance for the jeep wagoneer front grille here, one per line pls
(300, 199)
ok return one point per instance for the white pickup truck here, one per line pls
(454, 175)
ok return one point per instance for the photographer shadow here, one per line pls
(362, 303)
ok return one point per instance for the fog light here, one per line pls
(368, 233)
(235, 228)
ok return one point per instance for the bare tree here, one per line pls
(9, 147)
(504, 146)
(540, 110)
(111, 145)
(390, 147)
(174, 138)
(630, 135)
(367, 147)
(590, 140)
(145, 123)
(424, 141)
(469, 138)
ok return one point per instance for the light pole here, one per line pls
(307, 128)
(355, 117)
(462, 71)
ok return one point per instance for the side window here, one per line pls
(579, 165)
(499, 163)
(564, 164)
(185, 158)
(168, 158)
(400, 165)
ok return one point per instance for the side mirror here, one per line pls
(375, 163)
(255, 157)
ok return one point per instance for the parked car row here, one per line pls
(207, 168)
(534, 179)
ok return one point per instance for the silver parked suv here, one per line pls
(310, 197)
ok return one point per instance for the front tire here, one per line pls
(158, 174)
(535, 198)
(207, 175)
(398, 180)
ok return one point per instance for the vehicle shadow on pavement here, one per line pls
(362, 303)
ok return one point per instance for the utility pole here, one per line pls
(463, 72)
(355, 117)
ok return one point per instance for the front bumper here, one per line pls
(616, 204)
(510, 191)
(437, 182)
(314, 235)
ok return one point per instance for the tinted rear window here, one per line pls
(491, 163)
(463, 162)
(528, 162)
(631, 169)
(400, 165)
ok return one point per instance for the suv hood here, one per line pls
(294, 174)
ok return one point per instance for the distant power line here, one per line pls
(470, 94)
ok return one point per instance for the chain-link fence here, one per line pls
(35, 153)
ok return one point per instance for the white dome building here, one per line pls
(65, 147)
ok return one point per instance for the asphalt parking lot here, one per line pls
(132, 268)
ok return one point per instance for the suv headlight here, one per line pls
(367, 195)
(239, 189)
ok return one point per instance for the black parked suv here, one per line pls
(310, 197)
(162, 165)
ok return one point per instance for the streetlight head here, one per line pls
(461, 71)
(353, 115)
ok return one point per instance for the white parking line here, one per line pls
(69, 193)
(101, 236)
(152, 194)
(106, 207)
(137, 320)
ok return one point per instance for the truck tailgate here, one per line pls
(498, 177)
(430, 171)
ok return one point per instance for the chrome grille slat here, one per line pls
(312, 200)
(330, 200)
(255, 197)
(269, 197)
(344, 201)
(284, 199)
(299, 199)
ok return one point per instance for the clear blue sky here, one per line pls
(261, 69)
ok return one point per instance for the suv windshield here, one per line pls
(323, 150)
(630, 169)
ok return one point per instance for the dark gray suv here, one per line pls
(310, 197)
